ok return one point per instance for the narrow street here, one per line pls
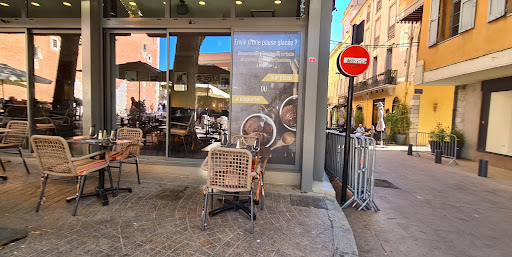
(438, 210)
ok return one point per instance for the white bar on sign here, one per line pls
(355, 60)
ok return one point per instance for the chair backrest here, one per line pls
(18, 134)
(128, 133)
(229, 169)
(53, 155)
(248, 139)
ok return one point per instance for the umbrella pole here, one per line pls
(3, 96)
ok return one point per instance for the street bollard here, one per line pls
(482, 168)
(439, 155)
(409, 150)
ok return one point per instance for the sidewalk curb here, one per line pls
(343, 237)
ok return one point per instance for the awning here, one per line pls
(413, 12)
(211, 91)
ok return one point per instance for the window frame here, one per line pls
(452, 20)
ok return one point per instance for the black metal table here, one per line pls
(104, 144)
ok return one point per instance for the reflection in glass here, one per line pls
(13, 98)
(10, 8)
(141, 94)
(58, 84)
(134, 8)
(54, 9)
(201, 9)
(270, 8)
(200, 66)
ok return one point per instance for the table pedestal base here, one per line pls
(234, 205)
(101, 193)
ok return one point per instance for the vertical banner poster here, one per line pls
(264, 90)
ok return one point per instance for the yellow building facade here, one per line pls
(393, 48)
(469, 44)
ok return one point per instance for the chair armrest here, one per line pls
(106, 152)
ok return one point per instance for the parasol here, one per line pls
(14, 76)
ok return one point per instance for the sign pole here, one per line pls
(346, 150)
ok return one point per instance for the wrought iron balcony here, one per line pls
(386, 78)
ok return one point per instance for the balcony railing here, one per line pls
(386, 78)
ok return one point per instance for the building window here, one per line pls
(368, 14)
(497, 9)
(495, 135)
(392, 21)
(37, 53)
(377, 32)
(379, 5)
(455, 18)
(395, 103)
(144, 49)
(55, 43)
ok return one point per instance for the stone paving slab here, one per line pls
(162, 217)
(439, 210)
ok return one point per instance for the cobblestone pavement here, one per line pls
(160, 218)
(439, 210)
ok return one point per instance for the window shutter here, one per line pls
(434, 20)
(467, 15)
(496, 9)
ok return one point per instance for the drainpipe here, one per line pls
(411, 38)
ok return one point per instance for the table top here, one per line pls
(263, 152)
(94, 141)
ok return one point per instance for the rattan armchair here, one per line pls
(229, 172)
(14, 139)
(126, 152)
(54, 158)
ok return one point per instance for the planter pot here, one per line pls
(400, 139)
(459, 152)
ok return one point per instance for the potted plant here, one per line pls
(399, 123)
(460, 141)
(359, 117)
(437, 137)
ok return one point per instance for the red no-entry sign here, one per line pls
(353, 61)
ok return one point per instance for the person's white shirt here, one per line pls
(359, 131)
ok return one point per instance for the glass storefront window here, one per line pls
(58, 84)
(270, 8)
(54, 9)
(200, 67)
(265, 92)
(141, 91)
(201, 8)
(10, 8)
(134, 8)
(13, 101)
(499, 134)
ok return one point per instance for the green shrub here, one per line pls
(359, 117)
(399, 120)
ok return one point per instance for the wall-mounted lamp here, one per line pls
(435, 107)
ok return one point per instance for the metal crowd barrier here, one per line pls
(361, 171)
(430, 142)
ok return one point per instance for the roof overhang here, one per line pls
(413, 11)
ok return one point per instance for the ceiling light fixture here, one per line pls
(66, 3)
(4, 4)
(277, 1)
(202, 2)
(239, 2)
(35, 4)
(132, 3)
(164, 2)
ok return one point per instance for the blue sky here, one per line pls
(336, 26)
(219, 44)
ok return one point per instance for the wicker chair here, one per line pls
(229, 172)
(259, 167)
(14, 140)
(54, 158)
(127, 152)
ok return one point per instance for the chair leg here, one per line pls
(205, 210)
(42, 192)
(82, 184)
(211, 200)
(252, 213)
(2, 163)
(185, 145)
(137, 168)
(23, 159)
(119, 178)
(110, 178)
(262, 192)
